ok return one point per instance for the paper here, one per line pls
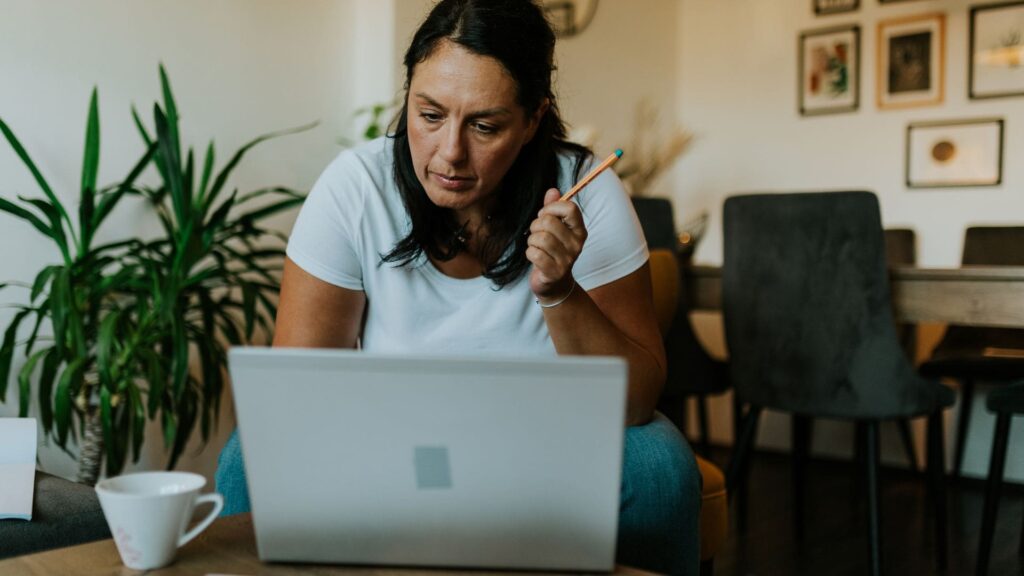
(17, 467)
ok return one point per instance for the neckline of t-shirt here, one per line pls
(431, 270)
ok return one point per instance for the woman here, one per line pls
(448, 236)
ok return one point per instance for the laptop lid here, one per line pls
(359, 458)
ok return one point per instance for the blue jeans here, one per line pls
(659, 515)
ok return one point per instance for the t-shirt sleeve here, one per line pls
(615, 245)
(325, 240)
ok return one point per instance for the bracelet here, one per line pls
(564, 298)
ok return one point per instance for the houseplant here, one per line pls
(130, 317)
(72, 296)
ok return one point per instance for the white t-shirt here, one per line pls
(355, 214)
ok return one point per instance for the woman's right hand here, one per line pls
(556, 240)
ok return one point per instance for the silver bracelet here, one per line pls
(564, 298)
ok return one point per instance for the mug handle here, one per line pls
(218, 503)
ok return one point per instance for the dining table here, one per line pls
(970, 295)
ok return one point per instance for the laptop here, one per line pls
(357, 458)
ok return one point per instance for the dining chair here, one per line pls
(972, 354)
(714, 510)
(1006, 403)
(810, 331)
(692, 372)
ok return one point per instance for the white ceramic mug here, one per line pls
(148, 513)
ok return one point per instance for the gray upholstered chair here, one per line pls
(810, 331)
(961, 355)
(692, 372)
(64, 513)
(1006, 402)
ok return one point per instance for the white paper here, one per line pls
(17, 467)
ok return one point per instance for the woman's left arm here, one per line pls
(616, 319)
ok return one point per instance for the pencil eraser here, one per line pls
(618, 152)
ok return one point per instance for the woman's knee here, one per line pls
(658, 461)
(659, 522)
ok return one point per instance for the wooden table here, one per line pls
(972, 295)
(228, 546)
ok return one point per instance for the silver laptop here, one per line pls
(357, 458)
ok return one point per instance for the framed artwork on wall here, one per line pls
(829, 70)
(958, 153)
(911, 61)
(996, 58)
(824, 7)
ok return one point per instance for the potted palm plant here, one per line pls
(129, 317)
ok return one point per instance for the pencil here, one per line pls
(593, 174)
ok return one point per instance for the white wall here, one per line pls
(239, 68)
(737, 87)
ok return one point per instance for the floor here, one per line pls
(835, 539)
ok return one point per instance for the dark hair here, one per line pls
(516, 34)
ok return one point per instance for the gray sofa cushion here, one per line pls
(63, 514)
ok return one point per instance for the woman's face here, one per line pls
(465, 127)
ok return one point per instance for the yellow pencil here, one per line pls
(593, 174)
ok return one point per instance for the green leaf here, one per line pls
(60, 297)
(41, 280)
(90, 168)
(25, 382)
(186, 423)
(29, 217)
(138, 422)
(172, 115)
(217, 220)
(7, 350)
(170, 426)
(271, 209)
(272, 190)
(107, 347)
(207, 171)
(157, 378)
(20, 151)
(141, 127)
(46, 382)
(41, 314)
(53, 214)
(222, 176)
(167, 158)
(63, 402)
(180, 357)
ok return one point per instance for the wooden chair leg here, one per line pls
(963, 425)
(937, 487)
(702, 421)
(801, 432)
(707, 567)
(908, 443)
(992, 488)
(874, 511)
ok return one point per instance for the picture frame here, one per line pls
(911, 61)
(826, 7)
(829, 70)
(996, 51)
(958, 153)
